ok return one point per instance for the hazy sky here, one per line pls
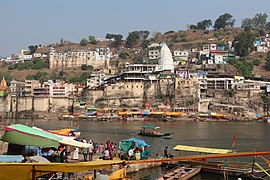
(34, 22)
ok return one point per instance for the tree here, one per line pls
(243, 43)
(124, 54)
(169, 32)
(132, 38)
(267, 26)
(223, 21)
(242, 65)
(192, 26)
(136, 35)
(247, 24)
(92, 40)
(85, 67)
(32, 49)
(84, 42)
(203, 25)
(117, 38)
(260, 21)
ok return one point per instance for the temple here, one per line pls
(165, 62)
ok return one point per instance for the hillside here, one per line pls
(180, 40)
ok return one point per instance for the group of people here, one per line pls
(106, 150)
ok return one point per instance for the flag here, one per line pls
(234, 139)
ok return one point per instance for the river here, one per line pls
(250, 135)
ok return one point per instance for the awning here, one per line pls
(27, 136)
(74, 143)
(156, 113)
(201, 149)
(23, 171)
(11, 158)
(174, 113)
(151, 127)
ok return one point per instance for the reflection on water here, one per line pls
(251, 135)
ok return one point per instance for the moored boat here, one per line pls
(182, 172)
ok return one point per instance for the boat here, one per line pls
(182, 172)
(152, 131)
(168, 119)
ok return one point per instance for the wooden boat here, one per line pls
(182, 172)
(152, 132)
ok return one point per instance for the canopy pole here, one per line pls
(33, 172)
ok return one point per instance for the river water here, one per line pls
(251, 136)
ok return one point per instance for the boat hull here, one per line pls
(154, 135)
(183, 172)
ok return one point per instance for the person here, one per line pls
(111, 151)
(130, 153)
(84, 140)
(166, 152)
(85, 153)
(90, 151)
(106, 154)
(63, 155)
(76, 153)
(137, 154)
(101, 148)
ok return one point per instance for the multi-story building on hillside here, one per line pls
(96, 58)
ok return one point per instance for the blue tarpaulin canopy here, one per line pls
(139, 142)
(130, 143)
(11, 158)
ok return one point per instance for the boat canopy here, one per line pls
(201, 149)
(150, 127)
(11, 158)
(27, 136)
(130, 143)
(26, 171)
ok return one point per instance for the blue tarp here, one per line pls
(11, 158)
(139, 142)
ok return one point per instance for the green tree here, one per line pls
(169, 32)
(243, 43)
(85, 67)
(92, 40)
(267, 63)
(38, 64)
(192, 26)
(267, 26)
(12, 67)
(145, 43)
(242, 65)
(223, 21)
(124, 54)
(134, 36)
(247, 24)
(84, 42)
(203, 25)
(117, 39)
(32, 49)
(41, 76)
(260, 21)
(256, 62)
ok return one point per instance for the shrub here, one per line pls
(256, 62)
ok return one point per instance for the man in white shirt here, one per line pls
(130, 153)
